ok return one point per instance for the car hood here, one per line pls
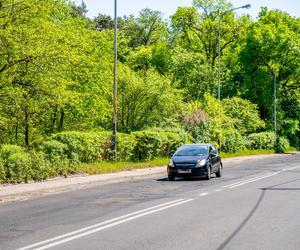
(191, 159)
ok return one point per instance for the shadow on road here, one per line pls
(179, 179)
(254, 209)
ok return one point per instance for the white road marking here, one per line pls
(103, 225)
(252, 180)
(242, 181)
(218, 190)
(292, 168)
(203, 194)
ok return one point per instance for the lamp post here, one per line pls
(219, 43)
(275, 112)
(115, 148)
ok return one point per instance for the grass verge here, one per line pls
(247, 153)
(112, 167)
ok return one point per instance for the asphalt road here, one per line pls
(255, 205)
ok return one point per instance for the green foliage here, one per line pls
(263, 140)
(244, 114)
(16, 164)
(40, 167)
(56, 77)
(232, 141)
(85, 147)
(154, 144)
(282, 145)
(146, 102)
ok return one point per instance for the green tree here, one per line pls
(196, 30)
(146, 101)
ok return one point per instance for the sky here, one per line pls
(168, 7)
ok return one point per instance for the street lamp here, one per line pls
(115, 85)
(219, 43)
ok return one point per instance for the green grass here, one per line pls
(111, 167)
(247, 153)
(253, 152)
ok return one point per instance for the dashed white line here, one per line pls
(203, 194)
(218, 190)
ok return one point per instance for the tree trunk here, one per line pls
(26, 127)
(61, 121)
(17, 130)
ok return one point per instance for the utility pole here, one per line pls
(275, 111)
(115, 141)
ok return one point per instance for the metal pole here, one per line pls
(115, 148)
(219, 58)
(275, 113)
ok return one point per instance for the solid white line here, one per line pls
(110, 225)
(97, 225)
(203, 194)
(292, 168)
(254, 178)
(249, 181)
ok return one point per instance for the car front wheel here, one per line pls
(219, 173)
(208, 173)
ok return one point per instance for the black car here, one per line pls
(195, 160)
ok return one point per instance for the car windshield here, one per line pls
(192, 151)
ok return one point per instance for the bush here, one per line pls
(86, 147)
(232, 141)
(153, 144)
(15, 163)
(2, 172)
(97, 146)
(264, 140)
(56, 155)
(282, 145)
(41, 168)
(126, 146)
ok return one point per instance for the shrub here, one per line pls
(86, 147)
(153, 144)
(264, 140)
(232, 141)
(15, 163)
(41, 168)
(2, 173)
(282, 145)
(126, 146)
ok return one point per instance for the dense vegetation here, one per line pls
(56, 75)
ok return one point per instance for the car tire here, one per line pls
(208, 175)
(171, 178)
(219, 173)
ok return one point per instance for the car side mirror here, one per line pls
(214, 153)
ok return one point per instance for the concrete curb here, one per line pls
(58, 185)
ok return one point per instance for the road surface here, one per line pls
(255, 205)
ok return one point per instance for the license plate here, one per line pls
(184, 171)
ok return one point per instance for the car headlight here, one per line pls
(201, 163)
(171, 164)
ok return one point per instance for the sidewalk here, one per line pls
(60, 184)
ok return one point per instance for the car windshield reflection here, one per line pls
(192, 151)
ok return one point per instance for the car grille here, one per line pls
(185, 165)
